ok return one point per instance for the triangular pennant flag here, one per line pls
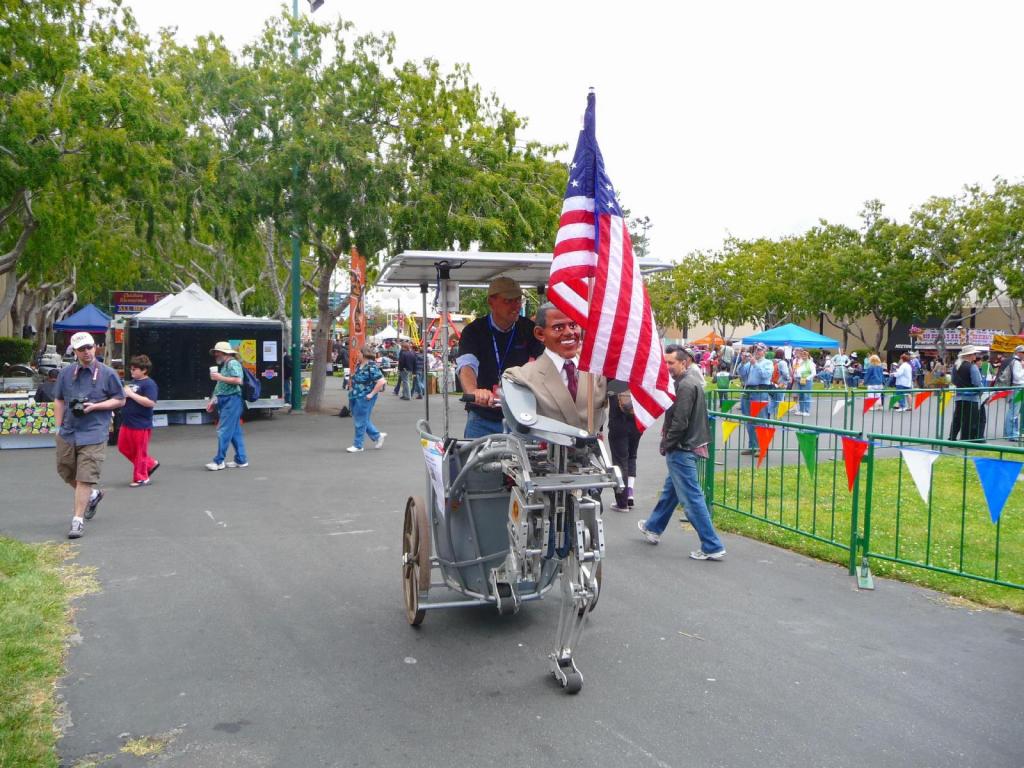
(756, 406)
(853, 454)
(946, 397)
(999, 395)
(896, 401)
(764, 439)
(919, 398)
(838, 407)
(808, 442)
(1019, 397)
(728, 427)
(728, 405)
(997, 479)
(920, 465)
(783, 408)
(869, 402)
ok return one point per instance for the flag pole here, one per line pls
(590, 376)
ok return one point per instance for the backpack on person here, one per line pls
(250, 386)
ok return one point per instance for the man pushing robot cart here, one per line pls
(506, 514)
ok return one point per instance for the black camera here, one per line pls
(77, 406)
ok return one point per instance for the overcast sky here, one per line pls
(717, 118)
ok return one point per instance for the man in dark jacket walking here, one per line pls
(684, 438)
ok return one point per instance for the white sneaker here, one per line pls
(213, 466)
(651, 536)
(699, 555)
(353, 449)
(379, 442)
(236, 465)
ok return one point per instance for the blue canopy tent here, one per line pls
(88, 318)
(792, 335)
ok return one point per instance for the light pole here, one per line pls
(296, 260)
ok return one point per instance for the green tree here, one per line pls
(81, 132)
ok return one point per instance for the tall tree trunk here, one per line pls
(20, 205)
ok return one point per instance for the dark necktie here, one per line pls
(570, 378)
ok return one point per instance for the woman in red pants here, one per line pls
(137, 421)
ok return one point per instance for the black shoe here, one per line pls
(154, 469)
(94, 501)
(747, 452)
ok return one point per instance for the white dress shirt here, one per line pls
(559, 362)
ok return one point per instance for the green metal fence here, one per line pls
(910, 412)
(793, 476)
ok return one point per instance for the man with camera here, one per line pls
(84, 397)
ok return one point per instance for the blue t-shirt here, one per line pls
(93, 385)
(135, 415)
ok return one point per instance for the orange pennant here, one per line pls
(756, 406)
(869, 402)
(765, 435)
(919, 398)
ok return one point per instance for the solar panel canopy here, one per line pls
(475, 269)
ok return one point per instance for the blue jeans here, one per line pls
(478, 426)
(899, 400)
(229, 428)
(681, 486)
(766, 413)
(805, 399)
(1011, 424)
(403, 381)
(419, 387)
(361, 410)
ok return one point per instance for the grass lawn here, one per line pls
(901, 525)
(36, 586)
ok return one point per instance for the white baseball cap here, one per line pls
(82, 339)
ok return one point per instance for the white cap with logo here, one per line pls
(82, 339)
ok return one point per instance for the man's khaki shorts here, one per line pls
(79, 463)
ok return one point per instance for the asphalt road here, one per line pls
(254, 618)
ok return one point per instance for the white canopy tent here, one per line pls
(389, 334)
(192, 303)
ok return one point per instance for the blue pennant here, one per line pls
(997, 479)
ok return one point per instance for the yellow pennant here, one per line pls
(783, 408)
(728, 427)
(946, 397)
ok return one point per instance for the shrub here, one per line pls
(15, 351)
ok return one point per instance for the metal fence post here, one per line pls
(709, 467)
(853, 525)
(864, 580)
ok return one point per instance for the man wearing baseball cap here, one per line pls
(490, 345)
(83, 399)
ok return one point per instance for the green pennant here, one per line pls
(895, 402)
(728, 405)
(809, 450)
(1019, 397)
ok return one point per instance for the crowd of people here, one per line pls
(540, 352)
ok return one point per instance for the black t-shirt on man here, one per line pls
(497, 351)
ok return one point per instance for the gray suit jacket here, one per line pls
(553, 400)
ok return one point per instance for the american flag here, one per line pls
(595, 280)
